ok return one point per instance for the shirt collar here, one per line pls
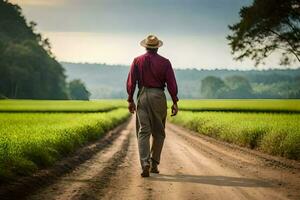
(151, 52)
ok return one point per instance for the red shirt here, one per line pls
(154, 71)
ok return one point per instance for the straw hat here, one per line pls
(151, 42)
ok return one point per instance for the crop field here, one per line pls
(237, 105)
(30, 141)
(273, 133)
(35, 134)
(60, 106)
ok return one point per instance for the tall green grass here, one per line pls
(237, 105)
(276, 134)
(60, 106)
(29, 141)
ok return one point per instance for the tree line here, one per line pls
(108, 81)
(239, 87)
(28, 69)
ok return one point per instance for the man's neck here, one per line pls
(151, 52)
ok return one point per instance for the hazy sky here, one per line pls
(193, 31)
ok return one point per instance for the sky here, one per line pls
(109, 31)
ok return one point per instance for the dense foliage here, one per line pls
(27, 67)
(233, 87)
(267, 26)
(210, 86)
(239, 87)
(77, 90)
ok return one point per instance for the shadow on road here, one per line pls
(211, 180)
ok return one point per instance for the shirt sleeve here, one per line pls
(131, 82)
(171, 83)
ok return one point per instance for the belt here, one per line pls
(152, 88)
(143, 88)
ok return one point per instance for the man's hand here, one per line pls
(131, 107)
(174, 110)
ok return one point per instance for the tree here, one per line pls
(27, 66)
(267, 26)
(210, 86)
(238, 87)
(233, 87)
(295, 89)
(78, 90)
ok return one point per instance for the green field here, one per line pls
(35, 134)
(60, 106)
(30, 141)
(237, 105)
(274, 133)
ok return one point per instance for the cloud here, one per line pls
(194, 31)
(120, 48)
(39, 2)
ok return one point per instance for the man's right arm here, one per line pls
(131, 84)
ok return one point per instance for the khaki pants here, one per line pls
(151, 118)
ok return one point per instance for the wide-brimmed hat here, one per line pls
(151, 42)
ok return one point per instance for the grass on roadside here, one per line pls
(276, 134)
(29, 141)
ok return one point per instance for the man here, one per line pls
(152, 73)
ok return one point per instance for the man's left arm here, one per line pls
(172, 87)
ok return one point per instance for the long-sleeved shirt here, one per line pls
(153, 71)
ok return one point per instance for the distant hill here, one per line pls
(103, 81)
(108, 81)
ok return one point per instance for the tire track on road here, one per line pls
(94, 174)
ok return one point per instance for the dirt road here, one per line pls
(192, 167)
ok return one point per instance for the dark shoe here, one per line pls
(154, 169)
(145, 172)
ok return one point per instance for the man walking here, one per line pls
(152, 73)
